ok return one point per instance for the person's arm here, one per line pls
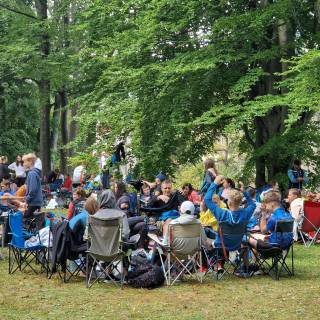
(70, 211)
(31, 187)
(12, 166)
(291, 176)
(263, 223)
(251, 205)
(212, 206)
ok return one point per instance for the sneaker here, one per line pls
(203, 269)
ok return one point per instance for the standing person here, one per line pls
(19, 170)
(297, 176)
(102, 160)
(4, 170)
(209, 175)
(78, 175)
(34, 197)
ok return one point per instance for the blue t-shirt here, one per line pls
(82, 217)
(281, 239)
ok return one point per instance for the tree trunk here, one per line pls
(44, 90)
(55, 122)
(63, 131)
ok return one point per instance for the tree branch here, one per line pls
(247, 135)
(17, 11)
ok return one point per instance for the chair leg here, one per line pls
(169, 268)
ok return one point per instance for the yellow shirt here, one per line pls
(208, 219)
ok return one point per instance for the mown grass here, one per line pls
(28, 296)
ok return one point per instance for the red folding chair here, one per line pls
(311, 222)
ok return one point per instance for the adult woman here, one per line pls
(19, 170)
(209, 175)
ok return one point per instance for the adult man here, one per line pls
(78, 175)
(297, 176)
(34, 197)
(167, 201)
(296, 209)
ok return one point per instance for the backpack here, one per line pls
(146, 276)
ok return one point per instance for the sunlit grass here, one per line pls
(28, 296)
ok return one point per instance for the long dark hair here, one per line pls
(19, 162)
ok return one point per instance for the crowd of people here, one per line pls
(155, 204)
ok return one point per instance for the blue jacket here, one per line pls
(232, 217)
(82, 217)
(207, 180)
(281, 239)
(34, 191)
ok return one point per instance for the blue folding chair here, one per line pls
(20, 255)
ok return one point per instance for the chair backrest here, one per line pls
(185, 239)
(16, 228)
(311, 212)
(105, 236)
(284, 226)
(232, 234)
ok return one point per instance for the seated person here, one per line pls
(190, 194)
(79, 222)
(77, 204)
(122, 197)
(271, 186)
(145, 196)
(166, 205)
(107, 208)
(228, 185)
(5, 195)
(272, 200)
(254, 222)
(187, 216)
(234, 215)
(296, 209)
(208, 220)
(67, 185)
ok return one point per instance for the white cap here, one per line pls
(187, 207)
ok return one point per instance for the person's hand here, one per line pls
(300, 179)
(164, 198)
(219, 180)
(124, 206)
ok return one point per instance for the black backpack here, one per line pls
(146, 276)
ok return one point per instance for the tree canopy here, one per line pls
(172, 76)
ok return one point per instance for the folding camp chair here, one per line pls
(71, 260)
(183, 253)
(105, 255)
(20, 255)
(233, 239)
(277, 255)
(310, 222)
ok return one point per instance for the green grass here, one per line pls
(28, 296)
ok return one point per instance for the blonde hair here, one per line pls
(272, 196)
(30, 156)
(235, 197)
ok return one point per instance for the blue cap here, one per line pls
(161, 177)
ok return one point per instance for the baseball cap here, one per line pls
(187, 207)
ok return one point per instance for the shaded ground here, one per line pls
(27, 296)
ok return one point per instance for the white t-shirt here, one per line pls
(296, 209)
(19, 170)
(77, 174)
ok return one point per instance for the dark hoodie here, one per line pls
(107, 209)
(34, 190)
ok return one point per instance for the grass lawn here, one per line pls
(28, 296)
